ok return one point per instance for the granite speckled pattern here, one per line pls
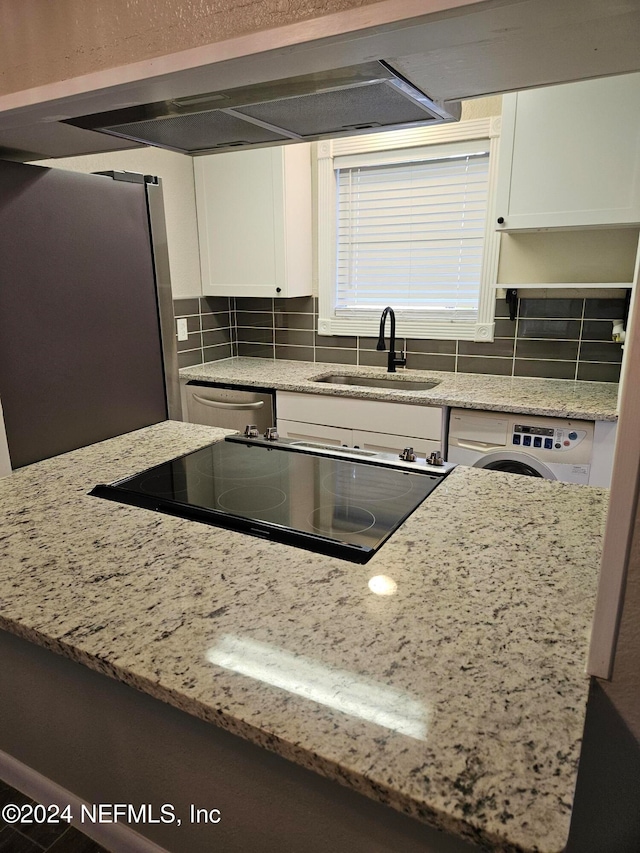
(459, 700)
(561, 398)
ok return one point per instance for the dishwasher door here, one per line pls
(229, 408)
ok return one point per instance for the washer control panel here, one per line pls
(547, 438)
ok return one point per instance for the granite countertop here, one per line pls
(592, 401)
(462, 702)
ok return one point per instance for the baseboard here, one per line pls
(114, 836)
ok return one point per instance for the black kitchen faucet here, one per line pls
(392, 361)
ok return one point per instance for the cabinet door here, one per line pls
(383, 443)
(570, 156)
(315, 433)
(254, 222)
(355, 413)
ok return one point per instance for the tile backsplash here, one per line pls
(551, 338)
(210, 326)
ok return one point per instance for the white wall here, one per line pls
(481, 108)
(176, 171)
(591, 255)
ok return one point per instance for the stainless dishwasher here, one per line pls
(227, 406)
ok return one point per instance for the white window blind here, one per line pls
(411, 235)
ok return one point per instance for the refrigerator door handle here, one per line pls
(216, 405)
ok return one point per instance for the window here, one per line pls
(406, 219)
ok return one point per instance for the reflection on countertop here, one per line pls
(341, 690)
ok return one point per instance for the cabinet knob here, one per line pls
(501, 220)
(278, 290)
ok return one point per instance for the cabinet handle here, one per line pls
(216, 405)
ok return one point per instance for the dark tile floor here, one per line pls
(40, 838)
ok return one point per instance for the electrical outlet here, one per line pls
(183, 333)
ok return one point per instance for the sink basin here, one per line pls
(392, 383)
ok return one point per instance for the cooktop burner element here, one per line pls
(341, 519)
(314, 498)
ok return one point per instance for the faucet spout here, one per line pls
(381, 344)
(392, 360)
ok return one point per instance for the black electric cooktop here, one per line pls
(339, 506)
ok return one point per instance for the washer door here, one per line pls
(515, 463)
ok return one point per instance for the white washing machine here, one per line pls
(553, 448)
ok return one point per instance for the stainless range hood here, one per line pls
(344, 101)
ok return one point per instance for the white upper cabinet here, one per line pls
(254, 221)
(570, 156)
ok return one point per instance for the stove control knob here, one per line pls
(251, 431)
(408, 455)
(271, 434)
(435, 458)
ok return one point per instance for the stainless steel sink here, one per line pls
(392, 382)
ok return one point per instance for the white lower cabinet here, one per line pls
(368, 424)
(314, 432)
(378, 442)
(383, 443)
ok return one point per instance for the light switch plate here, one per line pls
(183, 333)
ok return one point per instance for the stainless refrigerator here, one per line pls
(87, 345)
